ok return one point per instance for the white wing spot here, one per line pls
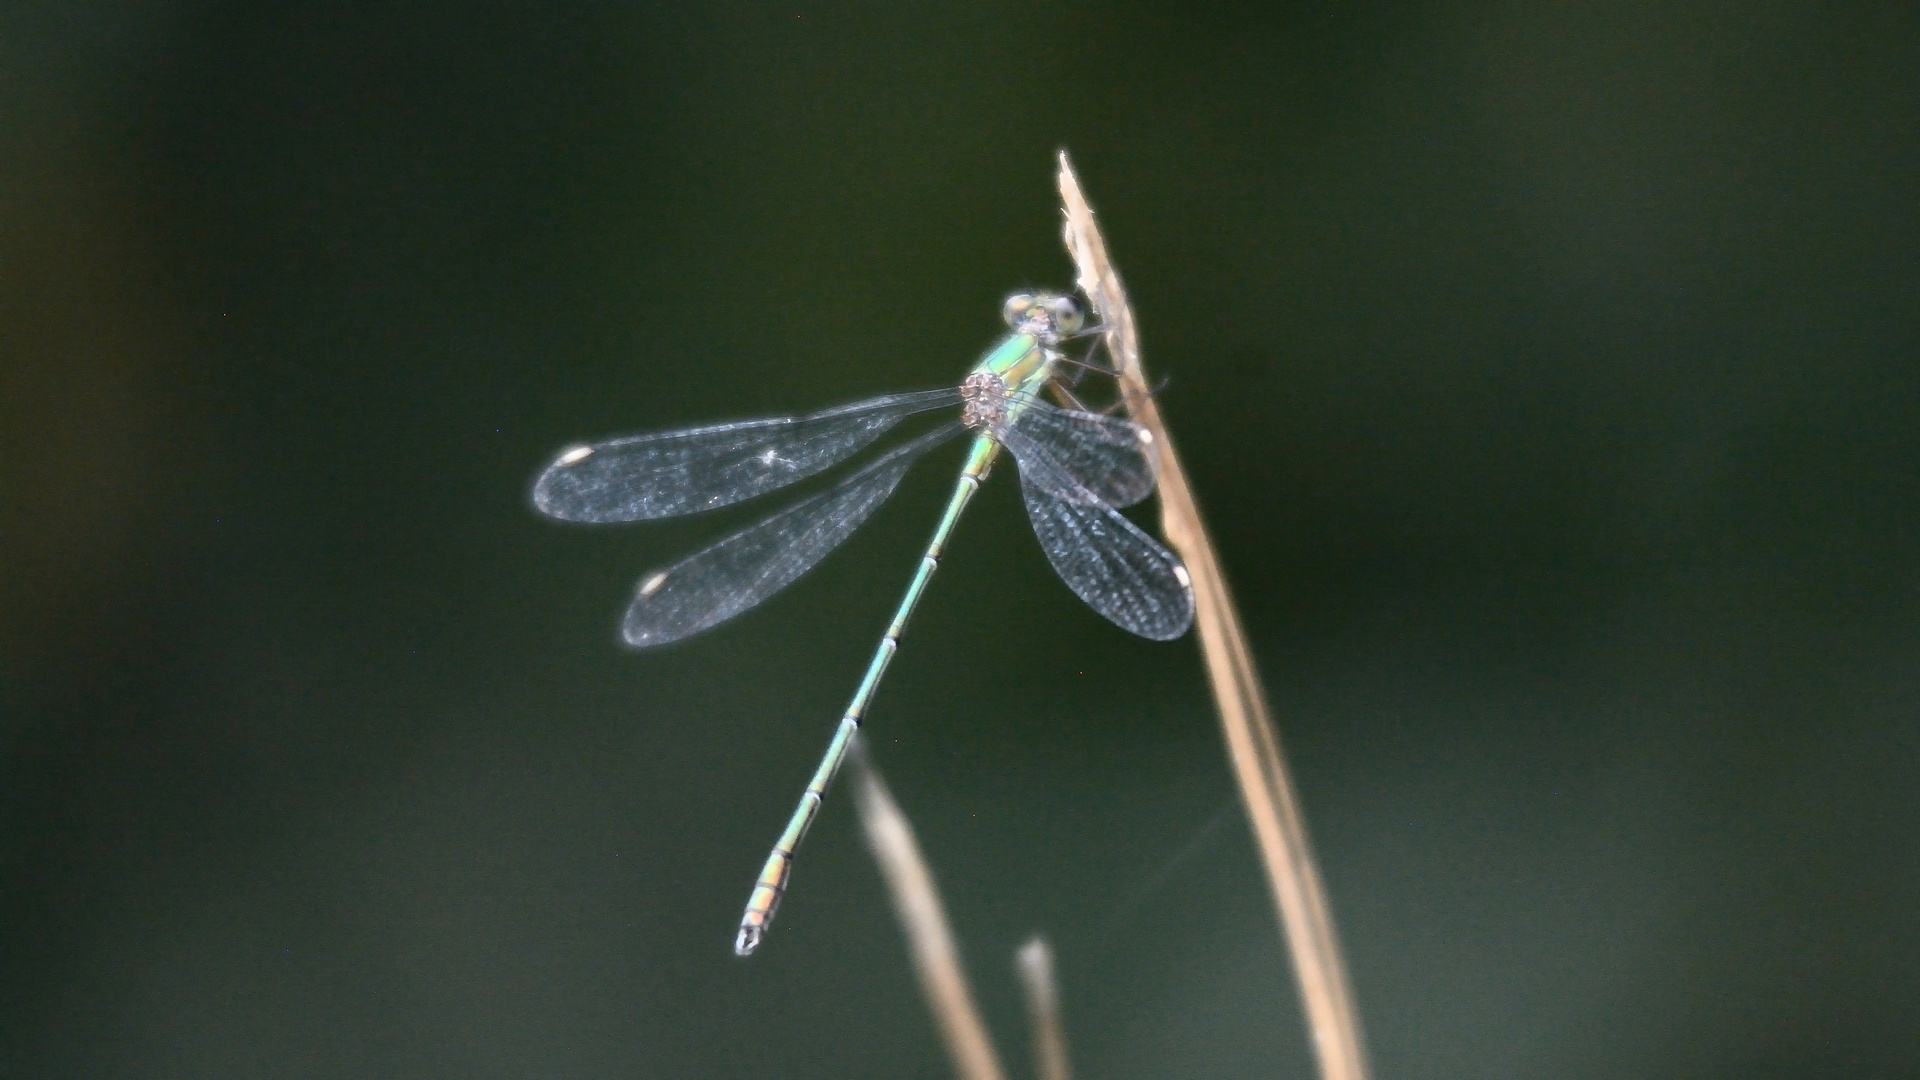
(1178, 571)
(575, 454)
(653, 583)
(1145, 435)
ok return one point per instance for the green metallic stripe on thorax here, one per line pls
(1013, 359)
(1023, 364)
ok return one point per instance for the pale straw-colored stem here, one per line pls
(1253, 744)
(923, 920)
(1035, 963)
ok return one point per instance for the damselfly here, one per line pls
(1076, 467)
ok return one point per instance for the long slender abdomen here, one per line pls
(777, 874)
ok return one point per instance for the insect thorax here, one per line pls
(983, 400)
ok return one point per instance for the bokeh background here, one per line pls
(1549, 374)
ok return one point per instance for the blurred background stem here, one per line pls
(923, 919)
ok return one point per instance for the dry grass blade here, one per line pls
(923, 919)
(1035, 962)
(1252, 742)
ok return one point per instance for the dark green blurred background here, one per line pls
(1548, 373)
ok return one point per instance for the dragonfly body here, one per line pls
(1023, 361)
(772, 883)
(1075, 468)
(1007, 377)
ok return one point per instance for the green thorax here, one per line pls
(1023, 364)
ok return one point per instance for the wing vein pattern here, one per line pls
(669, 473)
(1107, 561)
(734, 574)
(1106, 454)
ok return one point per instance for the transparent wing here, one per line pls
(713, 585)
(668, 473)
(1106, 454)
(1105, 559)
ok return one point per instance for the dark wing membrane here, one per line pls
(669, 473)
(713, 585)
(1120, 571)
(1107, 455)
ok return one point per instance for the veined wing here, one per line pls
(715, 584)
(1120, 571)
(1109, 456)
(669, 473)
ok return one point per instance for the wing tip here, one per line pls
(547, 501)
(641, 637)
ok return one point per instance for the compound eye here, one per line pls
(1016, 309)
(1066, 315)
